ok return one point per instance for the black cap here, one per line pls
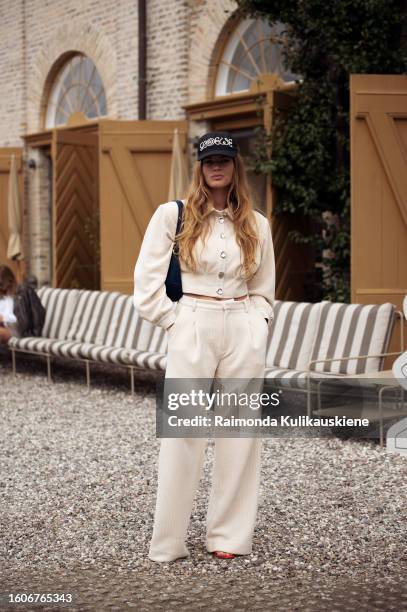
(216, 143)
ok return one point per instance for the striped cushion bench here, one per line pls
(292, 379)
(95, 326)
(292, 335)
(291, 341)
(305, 337)
(352, 330)
(103, 326)
(60, 305)
(106, 328)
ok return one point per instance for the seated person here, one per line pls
(8, 320)
(21, 311)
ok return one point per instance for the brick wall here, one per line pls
(167, 59)
(12, 73)
(208, 25)
(35, 36)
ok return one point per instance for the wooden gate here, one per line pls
(135, 162)
(75, 224)
(5, 159)
(379, 190)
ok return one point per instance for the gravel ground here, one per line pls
(78, 484)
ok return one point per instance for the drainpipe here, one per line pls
(142, 58)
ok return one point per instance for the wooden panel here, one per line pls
(135, 161)
(40, 139)
(379, 191)
(5, 159)
(223, 106)
(234, 123)
(75, 210)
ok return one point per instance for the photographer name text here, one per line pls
(282, 421)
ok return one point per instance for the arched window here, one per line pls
(77, 88)
(254, 50)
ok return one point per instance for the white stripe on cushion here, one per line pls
(352, 329)
(60, 305)
(292, 334)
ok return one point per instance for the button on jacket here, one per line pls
(218, 265)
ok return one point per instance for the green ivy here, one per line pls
(310, 159)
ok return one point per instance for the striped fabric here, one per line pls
(121, 356)
(37, 345)
(60, 305)
(137, 333)
(118, 329)
(294, 379)
(75, 349)
(104, 326)
(353, 329)
(98, 325)
(292, 334)
(93, 316)
(108, 318)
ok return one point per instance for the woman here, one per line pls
(219, 329)
(8, 320)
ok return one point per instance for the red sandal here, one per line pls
(220, 554)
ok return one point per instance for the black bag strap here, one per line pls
(180, 209)
(179, 221)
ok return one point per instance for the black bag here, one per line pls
(29, 311)
(173, 283)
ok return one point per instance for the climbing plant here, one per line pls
(307, 152)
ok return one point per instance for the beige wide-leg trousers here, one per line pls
(224, 339)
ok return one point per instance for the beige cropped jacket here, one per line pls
(218, 269)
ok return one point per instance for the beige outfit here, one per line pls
(221, 339)
(218, 272)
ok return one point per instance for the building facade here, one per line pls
(72, 64)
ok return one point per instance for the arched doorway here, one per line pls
(102, 179)
(74, 102)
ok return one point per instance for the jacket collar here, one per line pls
(227, 211)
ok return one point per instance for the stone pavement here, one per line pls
(245, 590)
(77, 493)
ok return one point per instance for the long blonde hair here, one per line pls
(8, 282)
(197, 210)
